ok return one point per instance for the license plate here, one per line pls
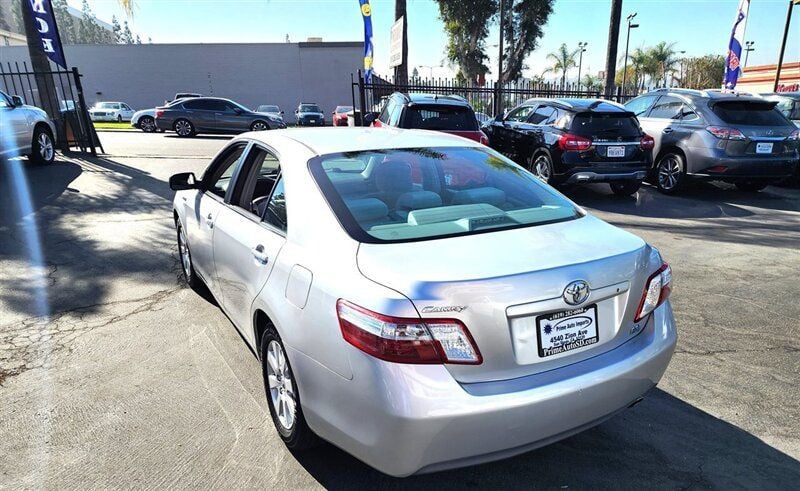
(615, 152)
(568, 330)
(763, 147)
(312, 120)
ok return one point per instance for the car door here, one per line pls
(201, 112)
(127, 112)
(503, 132)
(231, 119)
(15, 126)
(249, 233)
(201, 212)
(661, 121)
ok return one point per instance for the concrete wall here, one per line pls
(144, 75)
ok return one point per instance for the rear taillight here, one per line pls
(656, 291)
(725, 133)
(794, 135)
(484, 140)
(647, 143)
(405, 340)
(159, 113)
(574, 142)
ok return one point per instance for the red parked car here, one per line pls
(447, 113)
(339, 116)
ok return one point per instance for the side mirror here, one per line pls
(183, 181)
(17, 100)
(282, 113)
(369, 118)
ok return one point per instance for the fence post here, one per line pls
(85, 112)
(362, 98)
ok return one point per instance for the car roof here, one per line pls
(423, 98)
(322, 141)
(580, 105)
(709, 94)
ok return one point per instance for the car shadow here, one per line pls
(202, 137)
(662, 443)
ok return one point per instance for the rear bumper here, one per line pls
(715, 165)
(406, 419)
(590, 176)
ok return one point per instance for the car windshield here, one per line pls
(344, 109)
(604, 125)
(440, 118)
(106, 105)
(400, 195)
(309, 108)
(749, 113)
(268, 109)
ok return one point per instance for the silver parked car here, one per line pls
(25, 130)
(714, 135)
(418, 299)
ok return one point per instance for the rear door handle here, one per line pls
(210, 220)
(260, 254)
(667, 130)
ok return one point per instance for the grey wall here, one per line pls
(144, 75)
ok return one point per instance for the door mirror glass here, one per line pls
(183, 181)
(17, 100)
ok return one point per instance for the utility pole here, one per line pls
(792, 3)
(581, 48)
(401, 70)
(627, 43)
(749, 47)
(611, 50)
(499, 95)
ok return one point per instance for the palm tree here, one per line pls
(592, 83)
(642, 65)
(664, 59)
(562, 60)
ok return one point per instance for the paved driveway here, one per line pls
(122, 377)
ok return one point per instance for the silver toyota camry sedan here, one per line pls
(419, 300)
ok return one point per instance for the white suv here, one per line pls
(25, 130)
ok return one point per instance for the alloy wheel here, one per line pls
(46, 149)
(183, 128)
(147, 125)
(183, 249)
(541, 168)
(259, 126)
(281, 386)
(669, 173)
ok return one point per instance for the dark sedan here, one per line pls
(212, 115)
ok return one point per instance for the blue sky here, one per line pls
(697, 26)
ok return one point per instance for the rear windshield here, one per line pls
(402, 195)
(344, 109)
(440, 118)
(747, 113)
(605, 125)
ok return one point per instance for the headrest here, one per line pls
(367, 209)
(417, 200)
(491, 196)
(393, 176)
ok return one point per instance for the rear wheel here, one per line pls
(670, 173)
(283, 398)
(192, 279)
(43, 150)
(184, 128)
(751, 186)
(119, 118)
(541, 166)
(625, 188)
(147, 124)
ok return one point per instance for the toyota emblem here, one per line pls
(576, 292)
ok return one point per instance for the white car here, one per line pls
(145, 120)
(418, 299)
(111, 111)
(25, 130)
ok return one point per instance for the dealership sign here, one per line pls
(45, 24)
(396, 45)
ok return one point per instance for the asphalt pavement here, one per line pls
(121, 377)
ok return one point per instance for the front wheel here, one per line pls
(670, 173)
(283, 398)
(147, 124)
(541, 166)
(43, 150)
(192, 279)
(751, 186)
(184, 128)
(625, 188)
(259, 126)
(119, 118)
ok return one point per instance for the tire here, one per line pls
(187, 266)
(119, 118)
(43, 149)
(751, 186)
(259, 126)
(281, 389)
(671, 173)
(147, 124)
(184, 128)
(625, 188)
(541, 166)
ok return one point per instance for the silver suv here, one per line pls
(718, 136)
(25, 130)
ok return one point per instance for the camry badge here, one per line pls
(430, 309)
(576, 292)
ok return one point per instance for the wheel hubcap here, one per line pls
(148, 124)
(669, 172)
(281, 388)
(183, 128)
(183, 248)
(259, 127)
(45, 146)
(541, 169)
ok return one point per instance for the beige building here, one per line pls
(761, 78)
(8, 38)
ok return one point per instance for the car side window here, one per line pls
(196, 105)
(667, 107)
(257, 183)
(541, 114)
(519, 114)
(394, 116)
(384, 116)
(218, 176)
(640, 105)
(4, 101)
(687, 115)
(555, 116)
(275, 213)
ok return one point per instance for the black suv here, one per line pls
(575, 141)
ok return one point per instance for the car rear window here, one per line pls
(749, 113)
(604, 125)
(402, 195)
(440, 118)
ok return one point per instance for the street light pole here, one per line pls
(747, 50)
(581, 49)
(627, 43)
(499, 83)
(683, 60)
(792, 3)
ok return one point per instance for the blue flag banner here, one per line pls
(366, 13)
(45, 24)
(732, 63)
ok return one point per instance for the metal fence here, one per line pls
(60, 94)
(369, 97)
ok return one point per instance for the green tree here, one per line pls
(127, 35)
(523, 29)
(592, 83)
(116, 29)
(663, 59)
(704, 72)
(562, 60)
(467, 25)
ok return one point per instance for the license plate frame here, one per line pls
(571, 339)
(764, 148)
(615, 152)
